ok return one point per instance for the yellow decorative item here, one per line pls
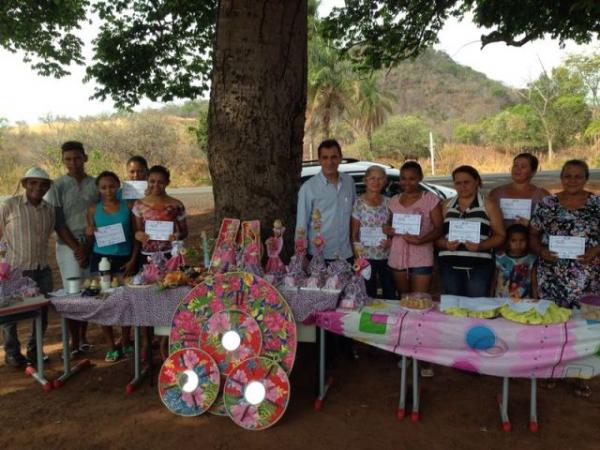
(554, 314)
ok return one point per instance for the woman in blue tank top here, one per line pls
(121, 249)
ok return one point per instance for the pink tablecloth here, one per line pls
(493, 347)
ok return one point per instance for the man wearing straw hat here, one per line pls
(26, 222)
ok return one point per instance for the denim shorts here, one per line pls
(425, 270)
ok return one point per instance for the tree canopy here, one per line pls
(162, 49)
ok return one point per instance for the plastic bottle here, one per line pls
(104, 268)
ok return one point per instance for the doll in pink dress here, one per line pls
(251, 255)
(226, 253)
(274, 246)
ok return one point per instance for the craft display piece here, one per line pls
(275, 269)
(317, 269)
(234, 317)
(224, 256)
(257, 393)
(355, 295)
(230, 336)
(243, 292)
(339, 273)
(188, 382)
(295, 270)
(153, 271)
(250, 247)
(176, 261)
(13, 285)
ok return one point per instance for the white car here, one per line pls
(357, 169)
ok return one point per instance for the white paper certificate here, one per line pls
(568, 247)
(516, 207)
(110, 235)
(158, 230)
(407, 224)
(464, 230)
(133, 190)
(371, 236)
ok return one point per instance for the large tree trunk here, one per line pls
(257, 110)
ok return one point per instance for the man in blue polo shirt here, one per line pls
(332, 193)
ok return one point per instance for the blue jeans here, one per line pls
(474, 282)
(12, 346)
(382, 273)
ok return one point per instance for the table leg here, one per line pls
(401, 411)
(139, 373)
(415, 416)
(533, 420)
(38, 374)
(323, 385)
(68, 370)
(503, 405)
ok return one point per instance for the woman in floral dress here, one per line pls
(572, 212)
(159, 206)
(371, 210)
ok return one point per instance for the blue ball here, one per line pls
(480, 338)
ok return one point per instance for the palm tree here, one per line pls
(370, 106)
(329, 86)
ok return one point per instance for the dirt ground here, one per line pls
(458, 409)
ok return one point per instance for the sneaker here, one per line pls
(112, 356)
(16, 361)
(127, 349)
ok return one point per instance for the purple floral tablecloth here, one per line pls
(151, 306)
(147, 306)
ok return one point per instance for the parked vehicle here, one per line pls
(357, 169)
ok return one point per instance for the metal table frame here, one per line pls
(30, 308)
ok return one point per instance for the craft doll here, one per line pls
(274, 246)
(251, 254)
(295, 270)
(316, 268)
(355, 295)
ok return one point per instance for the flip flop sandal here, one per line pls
(548, 384)
(583, 390)
(427, 373)
(87, 347)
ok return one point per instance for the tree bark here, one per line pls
(257, 110)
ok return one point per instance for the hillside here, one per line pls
(444, 92)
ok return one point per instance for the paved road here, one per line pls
(200, 198)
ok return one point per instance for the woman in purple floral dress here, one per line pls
(571, 212)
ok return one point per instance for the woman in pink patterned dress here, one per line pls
(159, 206)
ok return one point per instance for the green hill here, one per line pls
(443, 92)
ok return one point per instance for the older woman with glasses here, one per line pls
(369, 215)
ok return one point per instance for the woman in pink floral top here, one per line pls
(411, 256)
(157, 205)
